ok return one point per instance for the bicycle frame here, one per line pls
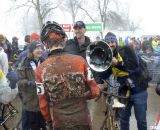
(7, 111)
(111, 121)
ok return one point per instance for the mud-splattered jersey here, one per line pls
(65, 78)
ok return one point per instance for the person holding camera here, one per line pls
(126, 69)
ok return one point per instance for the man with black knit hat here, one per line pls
(138, 97)
(64, 77)
(79, 44)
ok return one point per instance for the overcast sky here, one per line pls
(148, 12)
(145, 11)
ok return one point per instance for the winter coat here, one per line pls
(73, 47)
(28, 91)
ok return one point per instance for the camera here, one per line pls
(129, 83)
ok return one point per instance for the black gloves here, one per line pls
(31, 83)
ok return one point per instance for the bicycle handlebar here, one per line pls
(111, 93)
(114, 95)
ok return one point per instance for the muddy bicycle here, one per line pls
(8, 113)
(112, 119)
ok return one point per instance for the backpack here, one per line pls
(135, 65)
(129, 58)
(144, 75)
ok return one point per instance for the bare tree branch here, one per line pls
(45, 12)
(72, 6)
(34, 3)
(87, 14)
(21, 6)
(42, 8)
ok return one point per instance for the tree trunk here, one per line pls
(40, 19)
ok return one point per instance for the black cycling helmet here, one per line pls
(157, 89)
(50, 27)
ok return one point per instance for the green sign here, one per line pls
(96, 27)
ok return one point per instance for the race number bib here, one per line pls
(40, 88)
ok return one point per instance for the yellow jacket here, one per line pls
(154, 44)
(116, 71)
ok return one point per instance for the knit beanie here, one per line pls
(34, 45)
(110, 37)
(34, 37)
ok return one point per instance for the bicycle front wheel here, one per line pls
(8, 115)
(111, 121)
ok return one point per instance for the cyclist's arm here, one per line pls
(91, 83)
(44, 107)
(43, 102)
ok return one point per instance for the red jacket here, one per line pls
(66, 78)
